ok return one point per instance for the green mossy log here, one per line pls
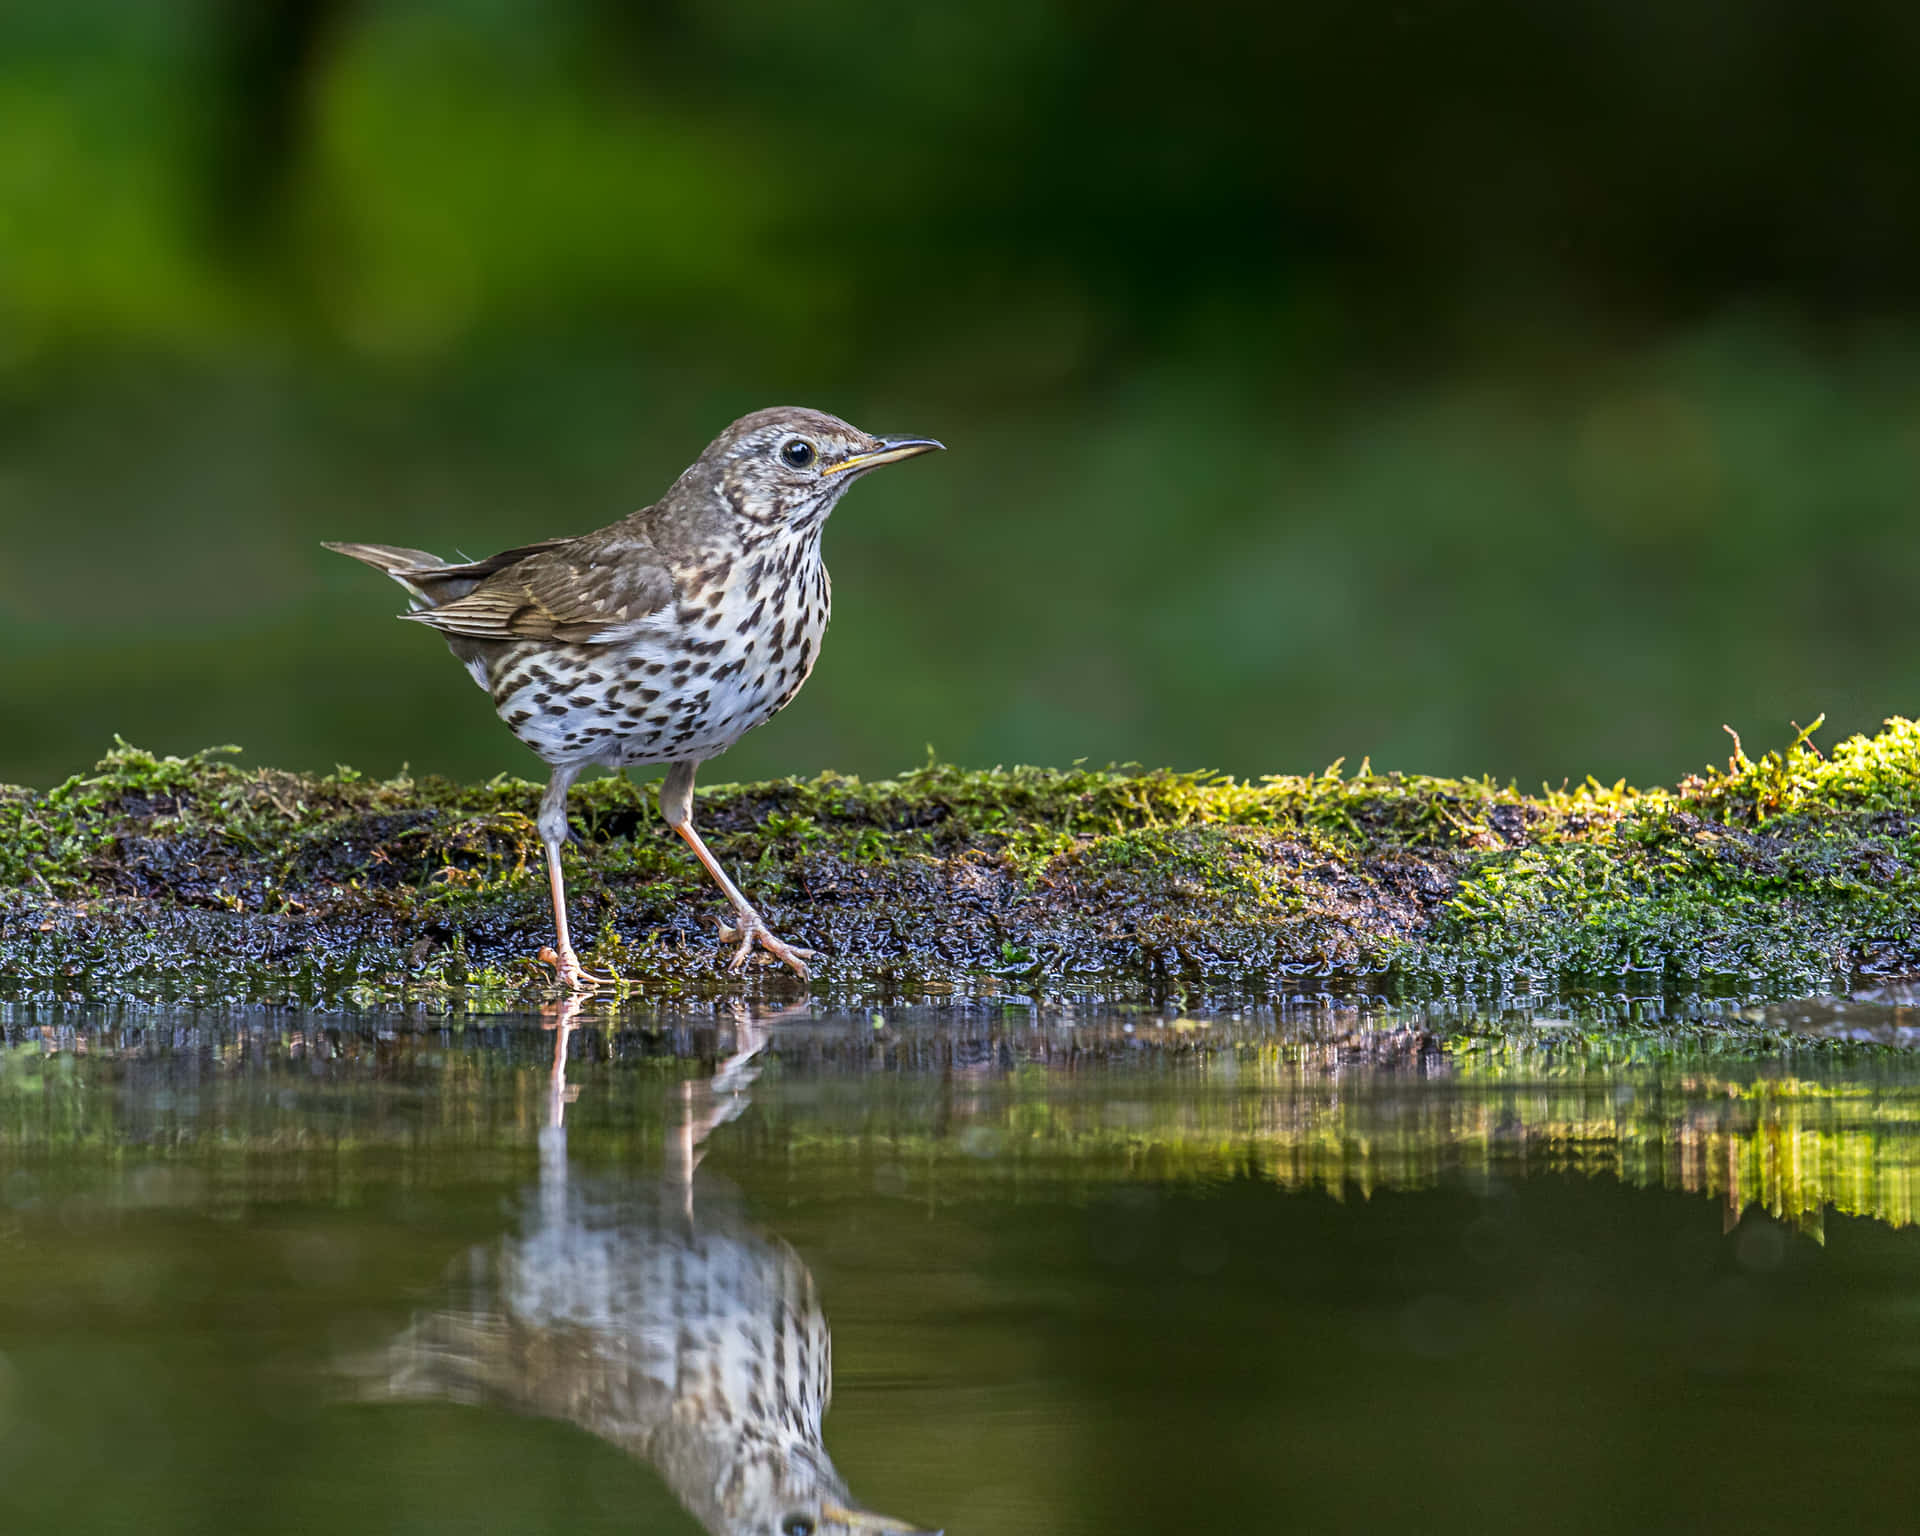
(177, 878)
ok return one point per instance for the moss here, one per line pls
(158, 876)
(1770, 872)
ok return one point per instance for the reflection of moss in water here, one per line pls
(170, 877)
(242, 1117)
(1790, 1147)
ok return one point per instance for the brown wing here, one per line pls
(582, 591)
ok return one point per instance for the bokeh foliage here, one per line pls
(1482, 386)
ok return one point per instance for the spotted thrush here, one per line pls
(662, 638)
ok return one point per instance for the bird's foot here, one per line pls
(564, 1013)
(751, 930)
(574, 976)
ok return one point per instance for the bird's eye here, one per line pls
(797, 1525)
(798, 452)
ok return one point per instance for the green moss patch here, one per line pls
(168, 877)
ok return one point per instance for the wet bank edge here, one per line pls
(160, 878)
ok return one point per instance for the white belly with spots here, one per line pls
(684, 691)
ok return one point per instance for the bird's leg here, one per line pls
(565, 1019)
(750, 928)
(553, 835)
(725, 1098)
(553, 1135)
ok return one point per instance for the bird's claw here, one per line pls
(573, 975)
(751, 931)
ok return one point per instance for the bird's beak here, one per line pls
(865, 1521)
(891, 451)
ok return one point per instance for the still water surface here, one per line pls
(1084, 1270)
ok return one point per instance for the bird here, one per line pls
(652, 1313)
(661, 639)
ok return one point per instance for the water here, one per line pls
(1084, 1271)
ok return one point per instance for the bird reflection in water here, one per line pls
(658, 1318)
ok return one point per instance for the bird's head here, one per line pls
(781, 1485)
(788, 466)
(826, 1518)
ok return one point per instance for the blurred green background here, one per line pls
(1479, 385)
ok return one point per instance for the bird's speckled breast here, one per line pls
(691, 681)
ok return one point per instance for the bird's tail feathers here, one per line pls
(451, 1356)
(429, 580)
(405, 566)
